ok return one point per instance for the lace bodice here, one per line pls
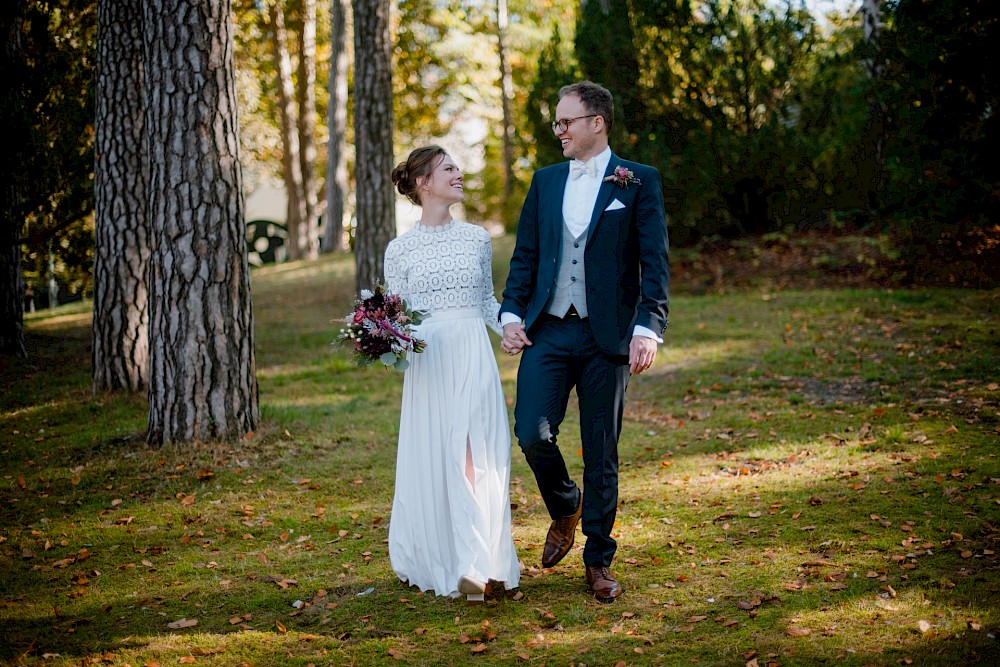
(444, 268)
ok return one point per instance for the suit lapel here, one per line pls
(603, 197)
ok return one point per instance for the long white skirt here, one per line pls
(443, 527)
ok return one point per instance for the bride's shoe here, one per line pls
(473, 589)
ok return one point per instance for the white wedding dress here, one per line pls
(443, 527)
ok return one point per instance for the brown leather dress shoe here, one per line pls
(561, 535)
(603, 584)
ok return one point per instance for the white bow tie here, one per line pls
(578, 169)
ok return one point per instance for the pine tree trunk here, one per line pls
(306, 97)
(373, 130)
(202, 384)
(11, 287)
(14, 118)
(121, 182)
(336, 162)
(291, 161)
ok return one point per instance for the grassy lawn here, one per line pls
(807, 478)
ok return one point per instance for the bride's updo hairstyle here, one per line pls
(419, 164)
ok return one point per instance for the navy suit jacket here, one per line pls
(627, 269)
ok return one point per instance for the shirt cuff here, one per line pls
(645, 333)
(508, 317)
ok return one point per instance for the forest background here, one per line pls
(772, 121)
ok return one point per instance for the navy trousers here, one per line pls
(565, 355)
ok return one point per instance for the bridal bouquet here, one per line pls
(379, 329)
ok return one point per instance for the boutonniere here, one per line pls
(622, 177)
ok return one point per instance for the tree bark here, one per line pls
(291, 160)
(872, 162)
(336, 150)
(373, 134)
(506, 95)
(306, 97)
(14, 117)
(202, 383)
(121, 195)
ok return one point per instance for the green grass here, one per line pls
(821, 460)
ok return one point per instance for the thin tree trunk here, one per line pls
(121, 183)
(336, 162)
(291, 162)
(873, 143)
(306, 97)
(14, 117)
(506, 96)
(373, 130)
(202, 383)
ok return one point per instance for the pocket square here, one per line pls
(614, 206)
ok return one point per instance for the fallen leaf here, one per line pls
(798, 632)
(479, 648)
(393, 653)
(187, 659)
(183, 623)
(924, 626)
(282, 629)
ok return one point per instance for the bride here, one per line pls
(450, 530)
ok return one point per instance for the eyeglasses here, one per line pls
(560, 126)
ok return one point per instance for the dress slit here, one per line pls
(440, 532)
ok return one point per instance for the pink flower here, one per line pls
(622, 177)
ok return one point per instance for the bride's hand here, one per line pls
(514, 338)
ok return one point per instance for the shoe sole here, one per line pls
(607, 600)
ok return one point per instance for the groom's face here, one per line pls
(582, 140)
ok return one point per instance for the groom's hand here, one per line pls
(514, 338)
(641, 354)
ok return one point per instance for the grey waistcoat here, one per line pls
(571, 279)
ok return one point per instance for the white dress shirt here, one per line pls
(581, 193)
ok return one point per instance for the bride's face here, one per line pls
(444, 184)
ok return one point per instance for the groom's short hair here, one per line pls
(595, 97)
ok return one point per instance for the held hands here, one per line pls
(641, 354)
(514, 338)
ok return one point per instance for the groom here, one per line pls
(586, 302)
